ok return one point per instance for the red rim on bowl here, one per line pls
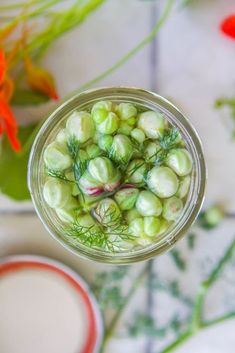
(95, 327)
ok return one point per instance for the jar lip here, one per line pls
(75, 101)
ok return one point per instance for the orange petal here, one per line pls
(3, 65)
(12, 137)
(6, 89)
(40, 80)
(8, 124)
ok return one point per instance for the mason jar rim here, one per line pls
(147, 99)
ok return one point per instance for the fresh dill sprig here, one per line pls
(89, 236)
(139, 147)
(57, 174)
(172, 288)
(107, 288)
(73, 147)
(144, 325)
(108, 235)
(169, 140)
(79, 166)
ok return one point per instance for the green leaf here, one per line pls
(178, 260)
(13, 167)
(191, 240)
(24, 97)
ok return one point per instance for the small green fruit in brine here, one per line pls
(81, 126)
(68, 214)
(172, 208)
(124, 128)
(101, 169)
(162, 181)
(105, 142)
(107, 212)
(136, 227)
(82, 156)
(62, 137)
(152, 226)
(86, 221)
(109, 125)
(152, 123)
(56, 193)
(131, 121)
(180, 161)
(75, 190)
(101, 110)
(126, 111)
(126, 198)
(113, 183)
(90, 185)
(138, 135)
(106, 106)
(93, 151)
(136, 171)
(56, 157)
(148, 204)
(164, 225)
(184, 185)
(151, 151)
(121, 149)
(131, 215)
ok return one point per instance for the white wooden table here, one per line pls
(191, 63)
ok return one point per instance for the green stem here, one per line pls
(112, 325)
(134, 51)
(60, 24)
(19, 5)
(188, 334)
(219, 320)
(198, 308)
(181, 339)
(217, 269)
(27, 15)
(205, 286)
(197, 322)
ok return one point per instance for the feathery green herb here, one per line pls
(58, 174)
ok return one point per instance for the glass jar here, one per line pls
(147, 100)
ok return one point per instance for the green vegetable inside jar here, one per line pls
(117, 174)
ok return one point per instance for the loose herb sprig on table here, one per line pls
(141, 324)
(228, 104)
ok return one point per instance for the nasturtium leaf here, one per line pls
(23, 97)
(13, 166)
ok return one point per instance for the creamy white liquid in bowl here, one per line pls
(40, 311)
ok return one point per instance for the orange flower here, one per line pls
(39, 79)
(228, 26)
(7, 119)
